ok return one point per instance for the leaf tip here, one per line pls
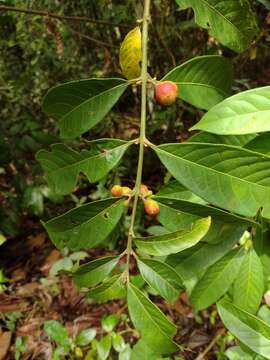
(194, 127)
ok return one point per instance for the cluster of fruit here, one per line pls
(151, 207)
(166, 93)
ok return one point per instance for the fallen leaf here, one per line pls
(37, 241)
(5, 339)
(54, 256)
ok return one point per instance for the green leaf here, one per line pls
(85, 226)
(266, 3)
(58, 354)
(58, 333)
(260, 144)
(175, 190)
(64, 264)
(156, 230)
(264, 314)
(109, 322)
(161, 277)
(262, 248)
(173, 219)
(203, 81)
(154, 327)
(110, 289)
(217, 280)
(78, 255)
(141, 351)
(125, 354)
(2, 239)
(80, 105)
(92, 273)
(174, 242)
(249, 329)
(179, 214)
(236, 353)
(236, 140)
(104, 347)
(207, 254)
(248, 287)
(85, 337)
(63, 165)
(244, 113)
(226, 176)
(119, 344)
(232, 22)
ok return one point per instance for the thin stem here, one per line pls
(144, 79)
(211, 345)
(61, 17)
(96, 41)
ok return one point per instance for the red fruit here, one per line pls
(117, 191)
(151, 207)
(166, 92)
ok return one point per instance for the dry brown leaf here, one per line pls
(28, 290)
(50, 260)
(11, 304)
(35, 242)
(19, 274)
(5, 339)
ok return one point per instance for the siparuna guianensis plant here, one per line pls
(216, 211)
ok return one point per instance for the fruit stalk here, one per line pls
(144, 79)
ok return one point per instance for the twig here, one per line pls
(202, 355)
(62, 17)
(99, 42)
(144, 79)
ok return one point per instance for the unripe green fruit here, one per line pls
(151, 207)
(117, 191)
(144, 189)
(126, 191)
(166, 93)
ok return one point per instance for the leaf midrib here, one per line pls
(201, 85)
(223, 16)
(236, 116)
(187, 232)
(103, 263)
(211, 169)
(150, 317)
(86, 222)
(219, 276)
(63, 118)
(84, 160)
(159, 276)
(219, 211)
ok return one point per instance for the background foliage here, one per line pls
(37, 53)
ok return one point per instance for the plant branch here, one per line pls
(144, 79)
(202, 355)
(96, 41)
(62, 17)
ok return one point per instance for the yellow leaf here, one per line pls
(131, 54)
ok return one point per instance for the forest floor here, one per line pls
(32, 297)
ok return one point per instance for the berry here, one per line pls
(78, 352)
(166, 93)
(144, 190)
(117, 191)
(126, 191)
(151, 207)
